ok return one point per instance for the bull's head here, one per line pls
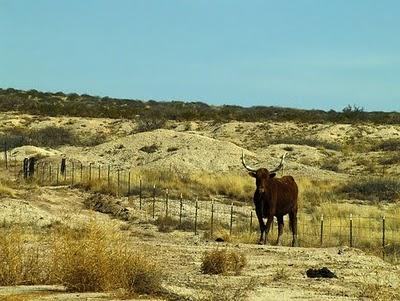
(262, 175)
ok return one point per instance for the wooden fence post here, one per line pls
(212, 218)
(351, 230)
(108, 176)
(231, 222)
(166, 202)
(73, 173)
(99, 176)
(81, 173)
(154, 199)
(322, 230)
(58, 173)
(129, 183)
(195, 216)
(251, 221)
(140, 193)
(50, 175)
(90, 172)
(180, 209)
(5, 154)
(118, 179)
(383, 235)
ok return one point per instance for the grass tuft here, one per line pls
(222, 261)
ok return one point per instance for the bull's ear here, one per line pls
(252, 174)
(271, 175)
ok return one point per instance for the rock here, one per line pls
(320, 273)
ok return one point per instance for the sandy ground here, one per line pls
(180, 255)
(210, 147)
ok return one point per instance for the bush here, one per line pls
(373, 189)
(305, 141)
(88, 259)
(222, 262)
(149, 148)
(387, 145)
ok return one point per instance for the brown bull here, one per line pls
(274, 197)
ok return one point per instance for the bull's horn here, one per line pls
(280, 164)
(245, 166)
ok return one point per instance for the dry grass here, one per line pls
(281, 274)
(92, 258)
(20, 263)
(222, 261)
(6, 190)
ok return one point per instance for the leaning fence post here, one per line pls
(212, 218)
(322, 230)
(180, 209)
(195, 216)
(154, 199)
(231, 222)
(351, 230)
(383, 235)
(166, 202)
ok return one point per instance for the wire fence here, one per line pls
(379, 235)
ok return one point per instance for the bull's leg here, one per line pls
(293, 227)
(262, 228)
(280, 230)
(267, 228)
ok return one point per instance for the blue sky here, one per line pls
(293, 53)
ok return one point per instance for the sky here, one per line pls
(291, 53)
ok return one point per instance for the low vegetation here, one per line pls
(222, 261)
(151, 114)
(373, 189)
(49, 136)
(91, 258)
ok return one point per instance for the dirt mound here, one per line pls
(33, 151)
(165, 149)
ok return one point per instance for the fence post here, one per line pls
(166, 202)
(108, 176)
(231, 223)
(42, 175)
(212, 218)
(322, 230)
(50, 175)
(118, 176)
(81, 173)
(99, 176)
(351, 230)
(383, 235)
(140, 193)
(154, 199)
(5, 154)
(58, 173)
(129, 183)
(251, 221)
(90, 172)
(73, 174)
(195, 216)
(180, 209)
